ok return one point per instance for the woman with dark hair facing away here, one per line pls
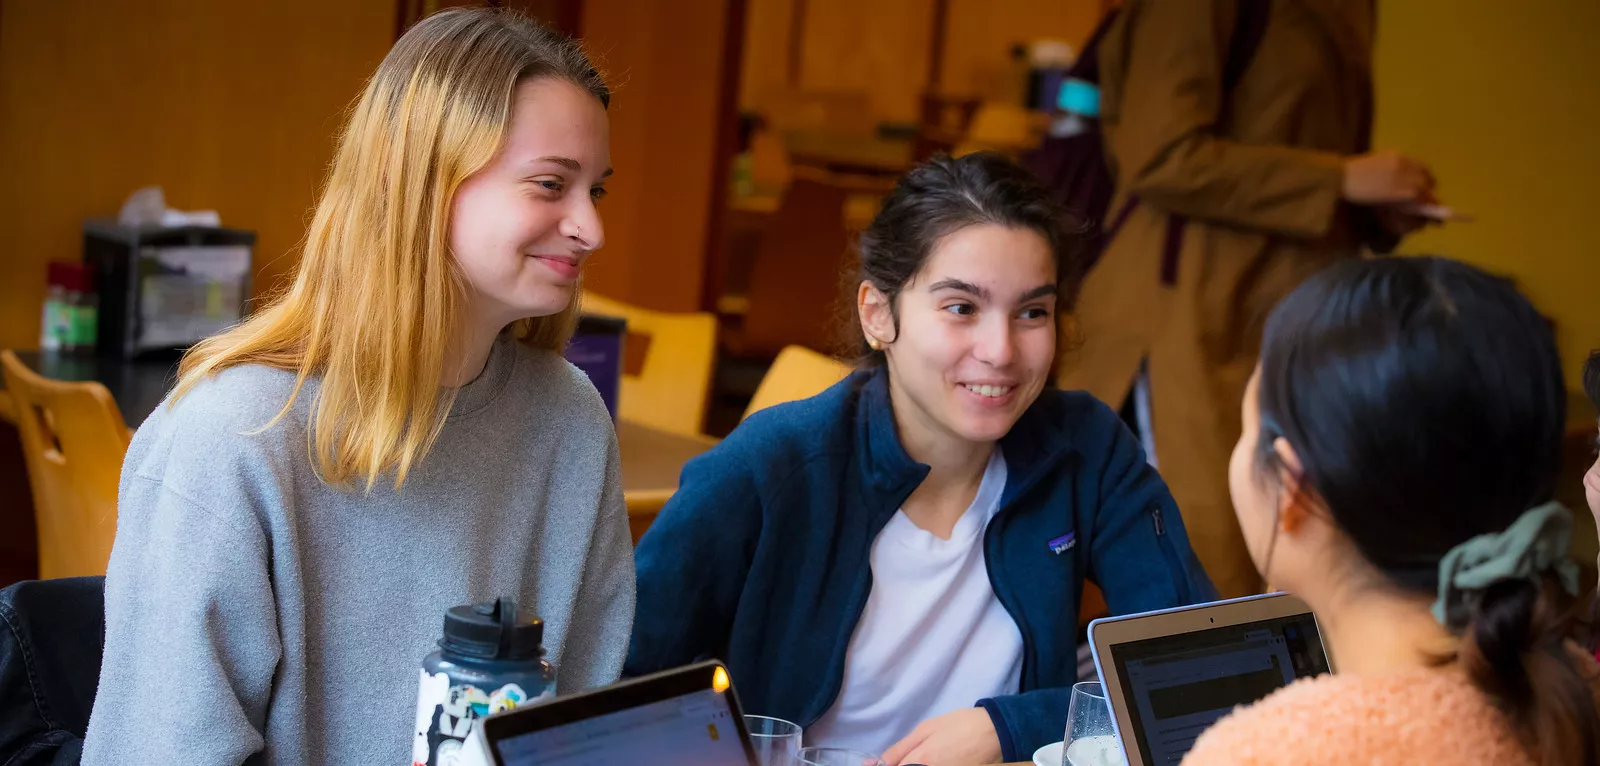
(896, 563)
(1591, 477)
(1401, 448)
(1591, 486)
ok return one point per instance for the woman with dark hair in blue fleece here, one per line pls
(896, 563)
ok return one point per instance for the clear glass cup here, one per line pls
(1091, 738)
(837, 756)
(777, 742)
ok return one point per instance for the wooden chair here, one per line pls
(1005, 128)
(797, 373)
(674, 381)
(73, 441)
(943, 122)
(798, 273)
(795, 275)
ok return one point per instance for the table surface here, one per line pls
(651, 458)
(848, 153)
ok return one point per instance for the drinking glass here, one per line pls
(837, 756)
(1091, 739)
(777, 742)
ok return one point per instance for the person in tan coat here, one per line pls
(1255, 189)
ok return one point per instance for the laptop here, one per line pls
(596, 348)
(1172, 673)
(675, 718)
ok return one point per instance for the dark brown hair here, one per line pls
(938, 198)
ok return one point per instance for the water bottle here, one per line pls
(488, 661)
(1077, 104)
(53, 325)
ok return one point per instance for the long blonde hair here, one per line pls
(377, 294)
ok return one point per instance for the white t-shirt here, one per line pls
(932, 639)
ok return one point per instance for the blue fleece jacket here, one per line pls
(762, 557)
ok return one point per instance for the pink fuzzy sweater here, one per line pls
(1413, 718)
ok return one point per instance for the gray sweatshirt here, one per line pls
(255, 614)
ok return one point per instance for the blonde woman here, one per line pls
(394, 435)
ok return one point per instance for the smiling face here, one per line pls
(522, 226)
(976, 334)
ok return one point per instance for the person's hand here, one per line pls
(1386, 178)
(963, 738)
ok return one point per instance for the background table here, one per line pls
(849, 153)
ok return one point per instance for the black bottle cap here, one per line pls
(491, 631)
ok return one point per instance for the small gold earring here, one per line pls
(874, 343)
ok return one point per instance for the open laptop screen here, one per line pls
(695, 728)
(1177, 686)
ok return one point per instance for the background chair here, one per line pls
(798, 274)
(73, 441)
(672, 384)
(797, 373)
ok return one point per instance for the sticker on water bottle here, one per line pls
(447, 715)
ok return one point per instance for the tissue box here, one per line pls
(163, 289)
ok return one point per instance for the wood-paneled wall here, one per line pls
(881, 47)
(664, 62)
(235, 107)
(979, 36)
(228, 106)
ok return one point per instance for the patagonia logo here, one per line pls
(1063, 543)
